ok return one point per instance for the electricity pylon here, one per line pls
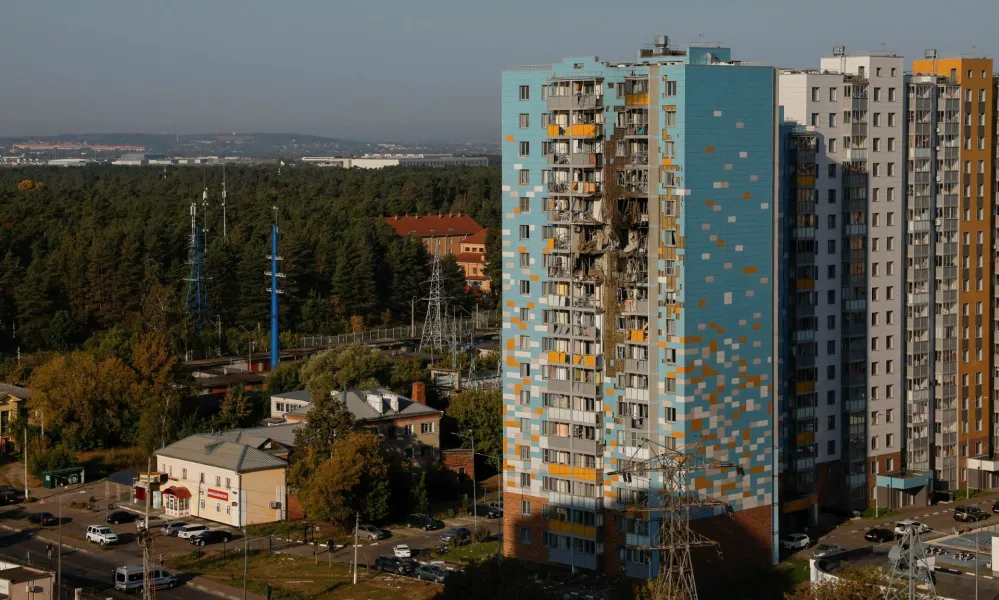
(674, 538)
(910, 569)
(434, 335)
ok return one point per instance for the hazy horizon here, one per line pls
(389, 70)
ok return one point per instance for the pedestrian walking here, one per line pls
(48, 551)
(329, 544)
(161, 558)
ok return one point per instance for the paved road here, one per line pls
(90, 570)
(420, 542)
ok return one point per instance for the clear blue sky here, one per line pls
(391, 69)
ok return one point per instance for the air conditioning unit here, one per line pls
(273, 504)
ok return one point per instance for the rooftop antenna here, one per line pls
(274, 290)
(197, 290)
(204, 210)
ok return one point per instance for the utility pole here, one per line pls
(26, 492)
(412, 317)
(475, 484)
(149, 488)
(357, 523)
(59, 559)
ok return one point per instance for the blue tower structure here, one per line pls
(197, 290)
(274, 290)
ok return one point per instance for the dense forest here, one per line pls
(87, 249)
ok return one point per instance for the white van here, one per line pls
(129, 578)
(101, 534)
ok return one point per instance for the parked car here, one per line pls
(171, 528)
(101, 534)
(9, 498)
(423, 522)
(190, 530)
(370, 532)
(8, 489)
(42, 518)
(430, 573)
(902, 526)
(130, 578)
(795, 541)
(995, 506)
(120, 516)
(879, 535)
(461, 534)
(393, 564)
(969, 513)
(402, 551)
(489, 512)
(210, 536)
(826, 550)
(497, 505)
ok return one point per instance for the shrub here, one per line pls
(481, 534)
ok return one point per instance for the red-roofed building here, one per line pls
(443, 231)
(472, 259)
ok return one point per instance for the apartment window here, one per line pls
(201, 478)
(877, 94)
(831, 347)
(831, 447)
(891, 169)
(525, 232)
(525, 397)
(670, 90)
(831, 195)
(669, 118)
(876, 170)
(874, 417)
(874, 368)
(893, 71)
(889, 440)
(525, 287)
(815, 94)
(874, 346)
(891, 245)
(831, 397)
(891, 194)
(831, 247)
(831, 322)
(876, 220)
(525, 150)
(891, 94)
(218, 480)
(967, 95)
(671, 414)
(877, 71)
(889, 342)
(525, 92)
(889, 465)
(890, 415)
(525, 536)
(831, 272)
(525, 120)
(525, 315)
(524, 342)
(832, 144)
(831, 297)
(525, 508)
(183, 473)
(525, 260)
(875, 270)
(525, 176)
(832, 94)
(831, 372)
(891, 119)
(831, 422)
(832, 170)
(891, 144)
(874, 319)
(876, 146)
(832, 119)
(877, 119)
(831, 221)
(876, 195)
(815, 119)
(525, 204)
(875, 244)
(889, 366)
(202, 504)
(407, 430)
(525, 369)
(426, 428)
(874, 442)
(981, 95)
(218, 507)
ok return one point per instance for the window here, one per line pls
(831, 272)
(525, 120)
(874, 442)
(889, 440)
(525, 536)
(525, 369)
(831, 372)
(228, 483)
(874, 417)
(832, 119)
(525, 508)
(525, 92)
(525, 149)
(525, 176)
(876, 195)
(669, 118)
(201, 478)
(832, 94)
(671, 414)
(877, 119)
(891, 94)
(831, 447)
(893, 71)
(891, 119)
(407, 429)
(891, 169)
(831, 194)
(427, 427)
(525, 454)
(525, 232)
(876, 147)
(891, 194)
(815, 119)
(877, 169)
(831, 297)
(525, 287)
(831, 221)
(831, 322)
(877, 94)
(831, 397)
(832, 170)
(874, 319)
(670, 90)
(815, 94)
(890, 415)
(831, 247)
(889, 366)
(877, 71)
(218, 507)
(525, 260)
(183, 473)
(525, 397)
(202, 504)
(832, 144)
(831, 422)
(891, 144)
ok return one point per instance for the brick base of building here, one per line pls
(744, 539)
(882, 468)
(515, 545)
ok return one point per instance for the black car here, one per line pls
(995, 506)
(120, 516)
(879, 535)
(210, 536)
(42, 518)
(489, 512)
(424, 522)
(393, 564)
(969, 513)
(9, 498)
(8, 489)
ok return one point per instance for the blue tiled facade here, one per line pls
(638, 286)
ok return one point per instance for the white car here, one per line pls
(902, 526)
(101, 534)
(826, 550)
(402, 551)
(190, 530)
(795, 541)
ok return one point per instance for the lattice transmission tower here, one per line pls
(674, 538)
(435, 334)
(911, 576)
(197, 281)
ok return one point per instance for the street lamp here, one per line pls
(499, 463)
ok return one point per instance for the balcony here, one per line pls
(576, 102)
(856, 154)
(635, 306)
(634, 365)
(638, 158)
(586, 188)
(636, 130)
(636, 99)
(586, 130)
(557, 159)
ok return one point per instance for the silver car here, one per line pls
(370, 532)
(171, 528)
(826, 550)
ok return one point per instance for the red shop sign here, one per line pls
(218, 494)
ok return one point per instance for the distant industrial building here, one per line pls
(72, 146)
(140, 158)
(377, 161)
(71, 162)
(445, 232)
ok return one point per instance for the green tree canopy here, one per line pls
(354, 479)
(344, 368)
(481, 413)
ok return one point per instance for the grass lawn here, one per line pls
(797, 568)
(882, 513)
(298, 578)
(466, 554)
